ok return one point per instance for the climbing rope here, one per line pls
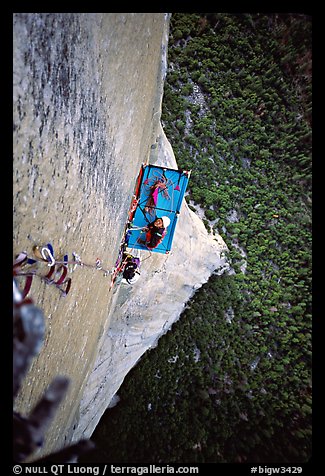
(58, 269)
(57, 275)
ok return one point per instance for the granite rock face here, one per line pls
(87, 102)
(142, 313)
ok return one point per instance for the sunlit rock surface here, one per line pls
(143, 312)
(87, 102)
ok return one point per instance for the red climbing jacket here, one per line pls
(154, 236)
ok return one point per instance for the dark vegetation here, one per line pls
(231, 382)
